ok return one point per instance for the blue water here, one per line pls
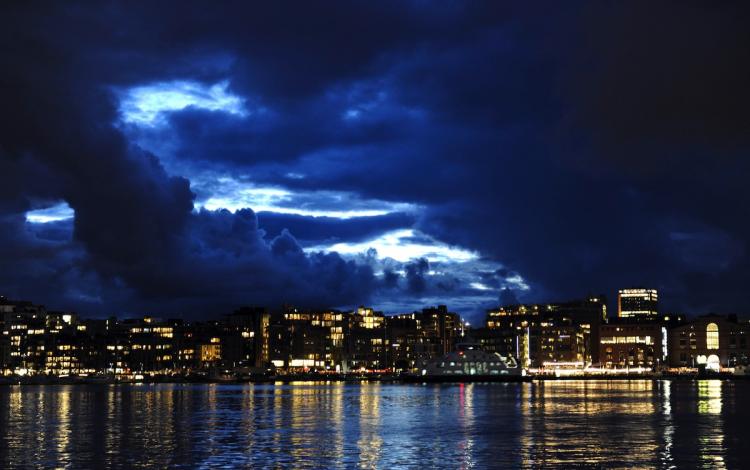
(611, 424)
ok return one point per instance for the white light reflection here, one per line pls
(667, 457)
(711, 436)
(466, 422)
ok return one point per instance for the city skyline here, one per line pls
(374, 234)
(574, 337)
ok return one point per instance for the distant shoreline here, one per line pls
(358, 379)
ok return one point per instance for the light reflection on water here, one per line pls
(611, 424)
(709, 403)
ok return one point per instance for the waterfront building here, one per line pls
(245, 338)
(504, 341)
(208, 342)
(366, 340)
(625, 344)
(68, 349)
(711, 341)
(150, 345)
(209, 353)
(185, 347)
(637, 302)
(405, 341)
(540, 335)
(23, 339)
(588, 314)
(639, 341)
(541, 340)
(37, 342)
(23, 333)
(116, 353)
(308, 339)
(441, 330)
(279, 341)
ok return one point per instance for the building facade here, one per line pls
(628, 343)
(710, 341)
(545, 335)
(637, 302)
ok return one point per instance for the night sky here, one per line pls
(185, 159)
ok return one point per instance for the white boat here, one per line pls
(469, 363)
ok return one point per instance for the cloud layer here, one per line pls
(573, 149)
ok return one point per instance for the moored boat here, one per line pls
(469, 363)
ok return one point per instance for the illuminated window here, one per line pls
(712, 336)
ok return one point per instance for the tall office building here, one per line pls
(637, 303)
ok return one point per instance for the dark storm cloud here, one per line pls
(390, 279)
(585, 147)
(415, 275)
(34, 256)
(133, 221)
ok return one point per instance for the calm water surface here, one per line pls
(612, 424)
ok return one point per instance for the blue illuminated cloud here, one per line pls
(56, 213)
(479, 286)
(232, 194)
(146, 104)
(401, 245)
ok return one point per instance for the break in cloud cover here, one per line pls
(185, 158)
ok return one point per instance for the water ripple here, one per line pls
(597, 424)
